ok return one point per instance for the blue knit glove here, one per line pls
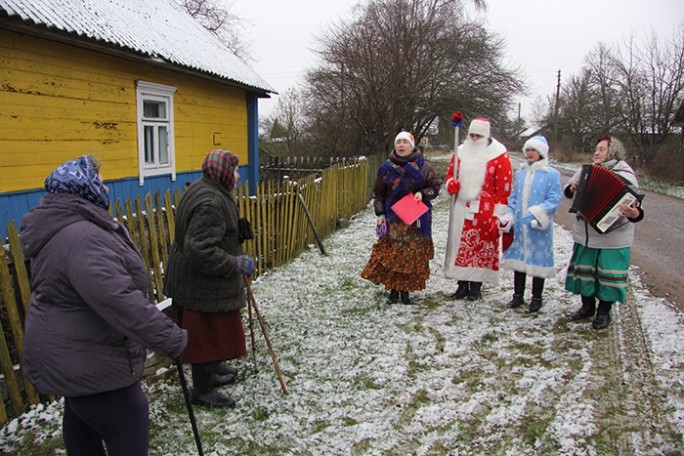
(245, 265)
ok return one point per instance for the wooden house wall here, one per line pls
(59, 101)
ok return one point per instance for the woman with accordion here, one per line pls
(607, 202)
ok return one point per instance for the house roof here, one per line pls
(158, 29)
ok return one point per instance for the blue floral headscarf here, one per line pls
(78, 177)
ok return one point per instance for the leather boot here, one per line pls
(462, 290)
(602, 319)
(517, 301)
(519, 279)
(394, 297)
(405, 297)
(535, 305)
(475, 291)
(203, 392)
(587, 310)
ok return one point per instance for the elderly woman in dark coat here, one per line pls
(89, 320)
(205, 277)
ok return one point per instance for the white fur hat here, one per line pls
(479, 126)
(407, 136)
(538, 143)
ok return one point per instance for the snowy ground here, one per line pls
(433, 378)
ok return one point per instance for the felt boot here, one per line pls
(394, 297)
(223, 368)
(203, 388)
(405, 297)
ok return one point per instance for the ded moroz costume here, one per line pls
(479, 178)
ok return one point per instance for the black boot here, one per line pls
(587, 310)
(221, 380)
(475, 292)
(537, 290)
(405, 297)
(462, 290)
(518, 290)
(517, 301)
(535, 305)
(602, 319)
(223, 368)
(203, 392)
(394, 297)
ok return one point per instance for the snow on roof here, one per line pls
(160, 29)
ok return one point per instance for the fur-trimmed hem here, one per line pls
(531, 270)
(472, 274)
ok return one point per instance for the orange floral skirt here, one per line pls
(401, 260)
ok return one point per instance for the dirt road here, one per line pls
(658, 250)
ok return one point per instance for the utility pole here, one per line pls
(555, 111)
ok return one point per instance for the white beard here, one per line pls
(473, 166)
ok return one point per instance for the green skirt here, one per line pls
(602, 273)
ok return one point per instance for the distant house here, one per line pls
(138, 83)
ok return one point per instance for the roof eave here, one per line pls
(73, 39)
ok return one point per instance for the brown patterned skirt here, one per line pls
(400, 260)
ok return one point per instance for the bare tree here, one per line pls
(632, 90)
(286, 129)
(220, 21)
(401, 64)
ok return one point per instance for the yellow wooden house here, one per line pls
(139, 83)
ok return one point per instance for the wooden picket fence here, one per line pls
(282, 228)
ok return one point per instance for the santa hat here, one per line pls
(538, 143)
(479, 126)
(407, 136)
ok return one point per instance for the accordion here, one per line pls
(599, 194)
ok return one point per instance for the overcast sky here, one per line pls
(543, 36)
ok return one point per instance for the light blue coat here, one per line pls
(532, 205)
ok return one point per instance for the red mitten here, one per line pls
(453, 186)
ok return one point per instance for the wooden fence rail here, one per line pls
(280, 225)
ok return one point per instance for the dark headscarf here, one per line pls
(78, 177)
(219, 166)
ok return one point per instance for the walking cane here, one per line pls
(251, 333)
(250, 296)
(188, 404)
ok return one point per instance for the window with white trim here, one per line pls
(156, 151)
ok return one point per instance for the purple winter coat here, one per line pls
(89, 321)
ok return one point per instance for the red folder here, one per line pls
(408, 209)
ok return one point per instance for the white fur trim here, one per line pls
(541, 216)
(500, 210)
(479, 127)
(536, 144)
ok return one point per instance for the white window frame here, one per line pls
(158, 93)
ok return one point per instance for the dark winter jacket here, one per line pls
(89, 319)
(429, 187)
(202, 273)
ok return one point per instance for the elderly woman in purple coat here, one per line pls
(89, 321)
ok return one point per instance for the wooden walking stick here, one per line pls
(250, 296)
(251, 332)
(188, 404)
